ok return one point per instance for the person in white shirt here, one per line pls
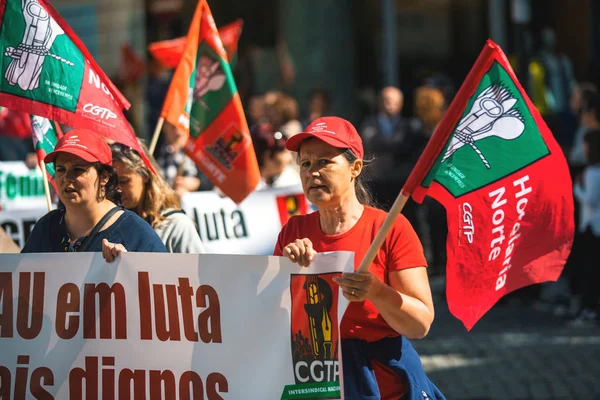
(587, 193)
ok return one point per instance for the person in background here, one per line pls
(282, 113)
(157, 86)
(256, 110)
(177, 168)
(149, 196)
(15, 137)
(319, 105)
(91, 219)
(384, 135)
(587, 193)
(585, 104)
(389, 303)
(429, 218)
(274, 160)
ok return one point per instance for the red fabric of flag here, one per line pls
(506, 187)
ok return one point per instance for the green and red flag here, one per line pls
(45, 135)
(504, 181)
(203, 100)
(169, 52)
(47, 71)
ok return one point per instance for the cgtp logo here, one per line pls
(492, 114)
(229, 146)
(315, 337)
(28, 57)
(468, 228)
(290, 205)
(97, 111)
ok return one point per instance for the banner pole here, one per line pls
(156, 134)
(46, 185)
(383, 231)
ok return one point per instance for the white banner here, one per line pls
(20, 187)
(169, 326)
(224, 227)
(250, 228)
(18, 224)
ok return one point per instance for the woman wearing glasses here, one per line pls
(149, 196)
(91, 219)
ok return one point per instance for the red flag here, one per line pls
(14, 124)
(132, 66)
(169, 52)
(504, 181)
(48, 72)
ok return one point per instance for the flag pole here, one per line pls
(383, 231)
(46, 185)
(156, 134)
(428, 157)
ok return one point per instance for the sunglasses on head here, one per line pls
(119, 147)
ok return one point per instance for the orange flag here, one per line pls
(203, 99)
(169, 52)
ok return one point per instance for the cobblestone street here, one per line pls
(514, 352)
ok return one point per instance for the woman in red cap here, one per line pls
(91, 220)
(388, 304)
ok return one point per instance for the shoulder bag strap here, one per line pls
(99, 225)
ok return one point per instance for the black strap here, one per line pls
(86, 242)
(168, 214)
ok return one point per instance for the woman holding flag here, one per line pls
(389, 303)
(91, 219)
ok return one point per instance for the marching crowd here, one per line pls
(112, 202)
(392, 143)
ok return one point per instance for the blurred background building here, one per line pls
(350, 48)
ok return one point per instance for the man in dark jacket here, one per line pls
(383, 135)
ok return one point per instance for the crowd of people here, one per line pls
(394, 135)
(112, 202)
(393, 143)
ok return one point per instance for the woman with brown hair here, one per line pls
(149, 196)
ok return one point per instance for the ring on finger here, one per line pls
(353, 290)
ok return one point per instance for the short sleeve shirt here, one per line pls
(135, 234)
(400, 250)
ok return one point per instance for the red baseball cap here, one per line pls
(334, 131)
(85, 144)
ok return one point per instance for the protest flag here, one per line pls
(169, 52)
(505, 184)
(48, 72)
(203, 100)
(45, 135)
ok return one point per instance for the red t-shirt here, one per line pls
(400, 250)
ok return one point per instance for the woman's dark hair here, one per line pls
(592, 139)
(266, 142)
(111, 190)
(360, 187)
